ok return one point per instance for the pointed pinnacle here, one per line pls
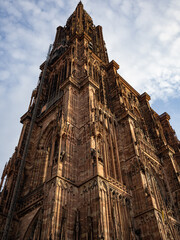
(80, 3)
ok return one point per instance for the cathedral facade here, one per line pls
(101, 163)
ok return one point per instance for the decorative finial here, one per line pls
(80, 3)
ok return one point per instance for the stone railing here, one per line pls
(118, 185)
(30, 200)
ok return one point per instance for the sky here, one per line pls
(142, 36)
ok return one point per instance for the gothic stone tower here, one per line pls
(101, 163)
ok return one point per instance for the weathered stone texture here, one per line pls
(101, 164)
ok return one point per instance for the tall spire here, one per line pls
(80, 7)
(78, 23)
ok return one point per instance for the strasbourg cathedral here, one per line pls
(94, 160)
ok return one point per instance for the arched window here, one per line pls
(69, 74)
(65, 70)
(94, 74)
(90, 70)
(53, 86)
(56, 150)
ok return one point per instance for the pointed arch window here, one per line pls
(56, 150)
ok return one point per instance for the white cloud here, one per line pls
(142, 36)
